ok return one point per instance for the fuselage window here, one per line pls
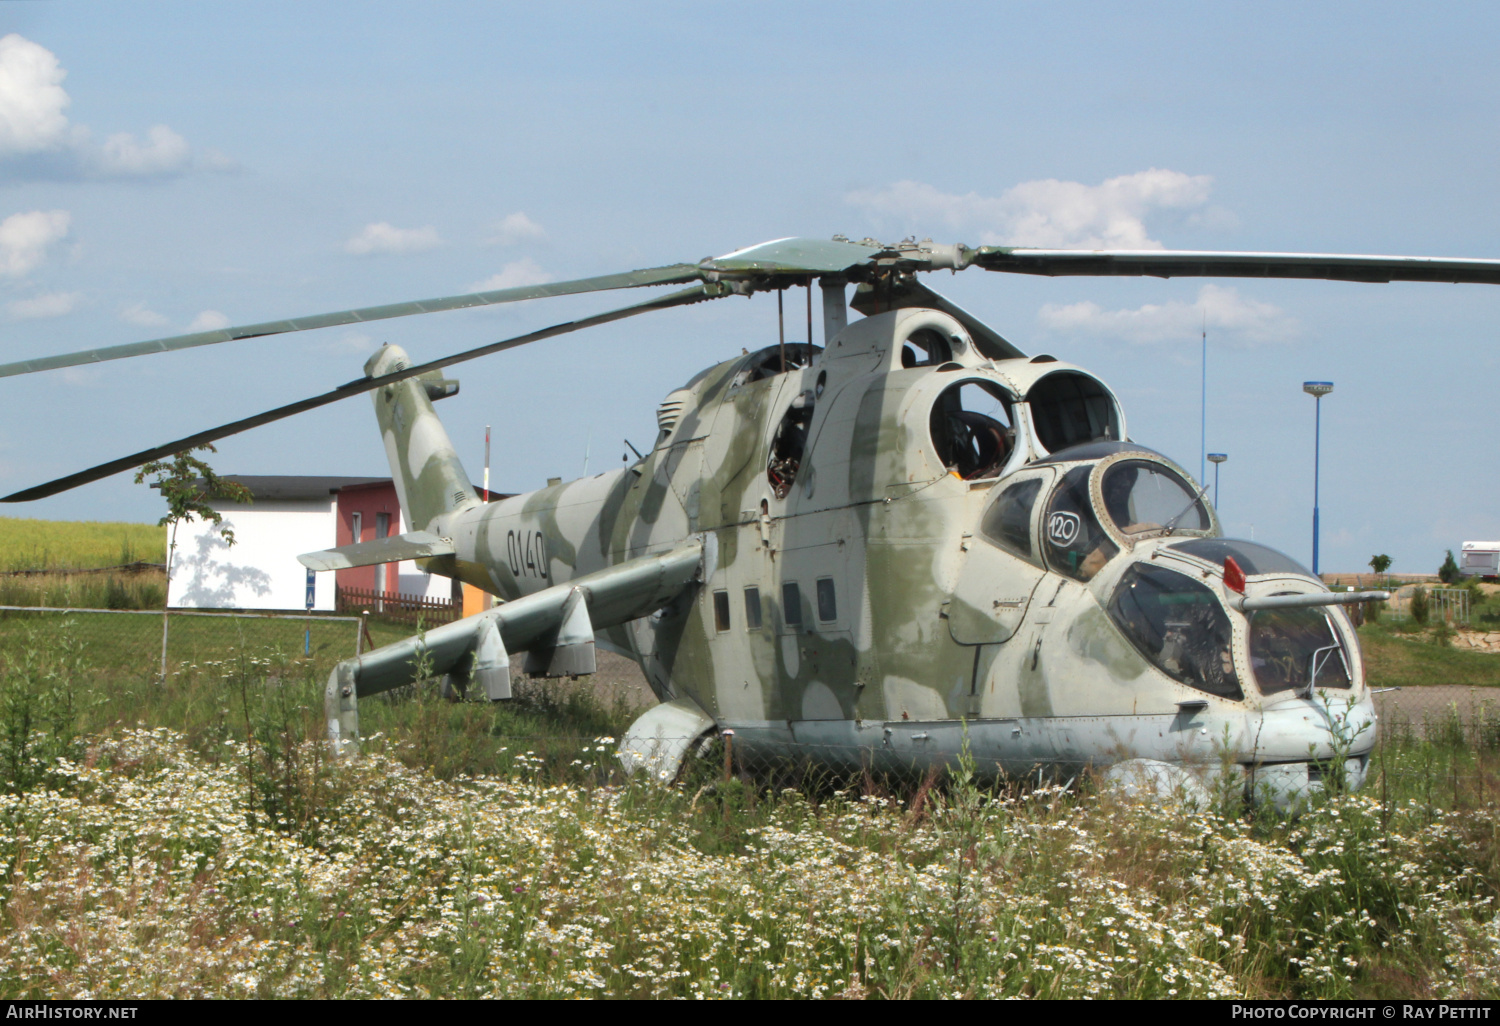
(791, 604)
(752, 609)
(1074, 542)
(1007, 523)
(788, 446)
(925, 348)
(971, 428)
(828, 609)
(721, 610)
(1070, 408)
(1178, 625)
(1143, 497)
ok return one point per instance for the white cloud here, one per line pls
(32, 99)
(139, 314)
(1044, 213)
(48, 304)
(164, 152)
(26, 238)
(383, 237)
(1225, 311)
(516, 229)
(35, 131)
(513, 275)
(209, 320)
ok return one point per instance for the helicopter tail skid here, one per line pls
(555, 627)
(429, 478)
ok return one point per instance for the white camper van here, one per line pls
(1480, 559)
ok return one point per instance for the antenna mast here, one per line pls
(1203, 407)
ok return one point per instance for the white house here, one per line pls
(290, 516)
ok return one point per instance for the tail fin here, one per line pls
(429, 478)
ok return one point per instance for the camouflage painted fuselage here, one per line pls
(915, 631)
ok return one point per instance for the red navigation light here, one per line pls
(1234, 577)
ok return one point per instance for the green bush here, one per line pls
(1421, 607)
(1448, 572)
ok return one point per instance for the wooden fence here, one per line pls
(397, 608)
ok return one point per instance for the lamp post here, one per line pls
(1316, 389)
(1216, 458)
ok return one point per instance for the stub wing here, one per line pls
(554, 627)
(415, 545)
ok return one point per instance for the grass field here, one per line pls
(59, 544)
(190, 838)
(1408, 658)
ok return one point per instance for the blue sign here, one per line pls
(312, 582)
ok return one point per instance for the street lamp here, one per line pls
(1216, 458)
(1316, 389)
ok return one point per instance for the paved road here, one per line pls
(1432, 702)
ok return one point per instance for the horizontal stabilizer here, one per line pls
(416, 545)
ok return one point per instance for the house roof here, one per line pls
(263, 486)
(292, 486)
(299, 487)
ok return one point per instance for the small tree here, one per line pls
(187, 483)
(1448, 572)
(1380, 564)
(1419, 606)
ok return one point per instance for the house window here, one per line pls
(752, 609)
(791, 604)
(721, 610)
(356, 526)
(828, 609)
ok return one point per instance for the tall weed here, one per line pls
(38, 708)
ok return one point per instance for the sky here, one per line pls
(175, 166)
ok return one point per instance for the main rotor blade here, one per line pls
(693, 295)
(1166, 263)
(675, 274)
(769, 260)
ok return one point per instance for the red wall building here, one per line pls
(366, 512)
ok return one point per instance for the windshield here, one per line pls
(1296, 649)
(1076, 545)
(1180, 626)
(1143, 497)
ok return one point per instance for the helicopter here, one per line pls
(909, 542)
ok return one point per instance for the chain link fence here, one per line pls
(1467, 715)
(123, 645)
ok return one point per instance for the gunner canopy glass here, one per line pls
(1144, 498)
(1179, 625)
(1296, 649)
(1252, 558)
